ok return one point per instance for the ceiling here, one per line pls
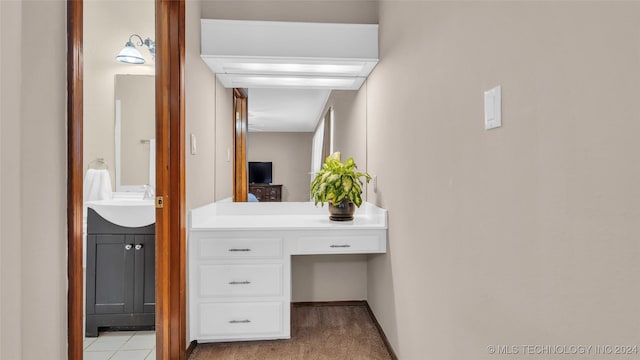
(285, 110)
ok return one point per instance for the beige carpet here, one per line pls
(317, 333)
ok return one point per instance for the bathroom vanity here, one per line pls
(120, 278)
(240, 262)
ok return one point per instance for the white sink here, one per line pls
(126, 212)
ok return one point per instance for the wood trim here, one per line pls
(331, 303)
(170, 181)
(240, 92)
(74, 176)
(240, 128)
(385, 340)
(364, 303)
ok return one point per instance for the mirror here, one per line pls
(134, 131)
(288, 146)
(108, 26)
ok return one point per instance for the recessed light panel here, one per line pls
(290, 54)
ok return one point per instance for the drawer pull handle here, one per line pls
(240, 282)
(128, 247)
(340, 246)
(246, 321)
(235, 250)
(138, 246)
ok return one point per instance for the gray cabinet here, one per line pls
(120, 285)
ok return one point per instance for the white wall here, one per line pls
(200, 94)
(10, 186)
(224, 142)
(350, 124)
(33, 180)
(290, 153)
(344, 11)
(527, 234)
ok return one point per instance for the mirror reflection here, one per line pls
(281, 124)
(134, 131)
(290, 132)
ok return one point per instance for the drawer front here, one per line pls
(240, 319)
(341, 244)
(240, 280)
(240, 248)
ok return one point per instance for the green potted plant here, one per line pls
(339, 184)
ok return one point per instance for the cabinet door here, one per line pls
(109, 274)
(145, 274)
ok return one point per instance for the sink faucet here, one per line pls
(148, 193)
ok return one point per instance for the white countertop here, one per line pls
(281, 216)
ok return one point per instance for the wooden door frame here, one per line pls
(240, 181)
(170, 182)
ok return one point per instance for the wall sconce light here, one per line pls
(131, 55)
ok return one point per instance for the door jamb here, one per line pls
(240, 182)
(74, 178)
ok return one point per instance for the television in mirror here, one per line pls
(260, 172)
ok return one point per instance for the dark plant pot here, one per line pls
(343, 212)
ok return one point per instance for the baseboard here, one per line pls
(385, 340)
(190, 349)
(331, 303)
(364, 303)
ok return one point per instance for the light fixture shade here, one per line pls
(130, 55)
(289, 54)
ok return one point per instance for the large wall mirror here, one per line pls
(284, 127)
(108, 26)
(134, 132)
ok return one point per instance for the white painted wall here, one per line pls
(200, 95)
(350, 124)
(527, 234)
(344, 11)
(33, 265)
(10, 185)
(224, 142)
(1, 169)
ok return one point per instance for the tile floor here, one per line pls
(121, 345)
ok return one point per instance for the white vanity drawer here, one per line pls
(240, 280)
(345, 244)
(240, 319)
(240, 248)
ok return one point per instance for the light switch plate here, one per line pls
(493, 108)
(193, 144)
